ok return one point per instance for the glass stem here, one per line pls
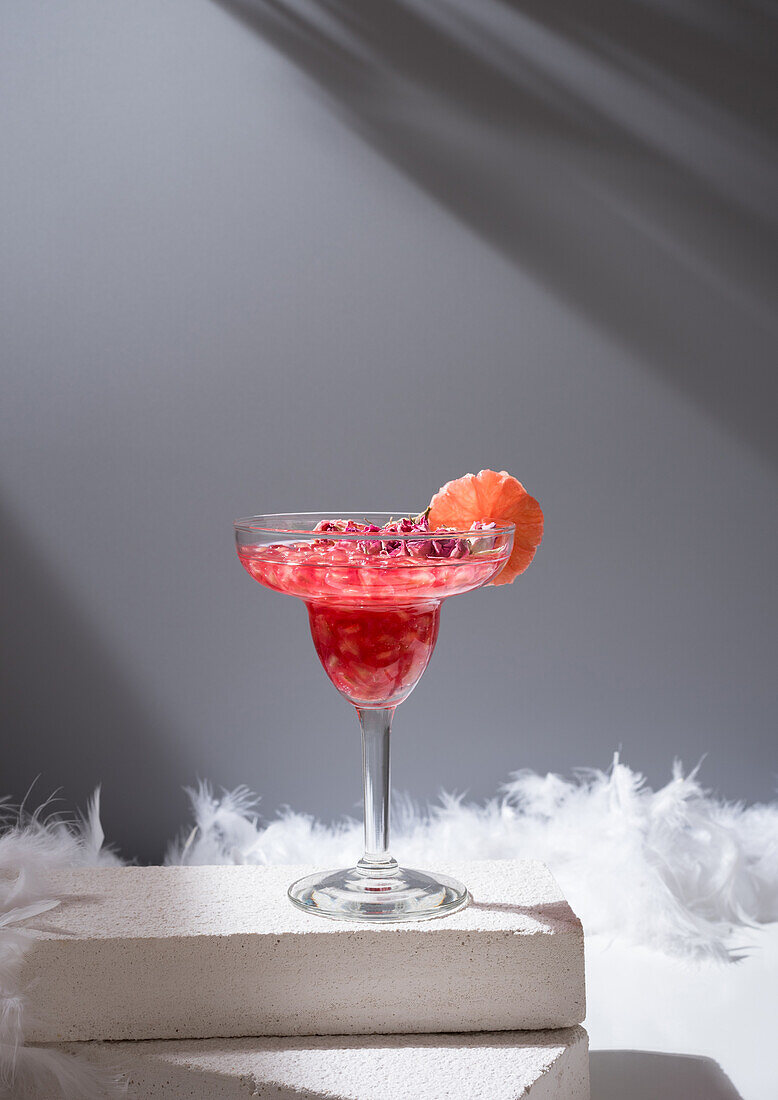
(376, 729)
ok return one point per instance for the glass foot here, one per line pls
(377, 895)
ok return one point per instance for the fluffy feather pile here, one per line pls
(676, 869)
(31, 845)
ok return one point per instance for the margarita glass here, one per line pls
(373, 597)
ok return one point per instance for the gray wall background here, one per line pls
(288, 254)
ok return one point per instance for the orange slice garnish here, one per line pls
(492, 498)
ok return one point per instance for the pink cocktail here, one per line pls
(373, 588)
(374, 618)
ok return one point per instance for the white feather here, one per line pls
(42, 1073)
(31, 846)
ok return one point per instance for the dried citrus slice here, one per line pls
(492, 497)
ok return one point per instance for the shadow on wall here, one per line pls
(52, 664)
(644, 1075)
(622, 153)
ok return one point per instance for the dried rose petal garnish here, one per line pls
(430, 544)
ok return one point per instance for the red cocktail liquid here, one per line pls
(374, 658)
(374, 619)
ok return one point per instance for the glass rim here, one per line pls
(270, 524)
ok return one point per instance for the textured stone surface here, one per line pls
(539, 1065)
(197, 952)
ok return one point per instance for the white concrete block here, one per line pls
(535, 1065)
(199, 952)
